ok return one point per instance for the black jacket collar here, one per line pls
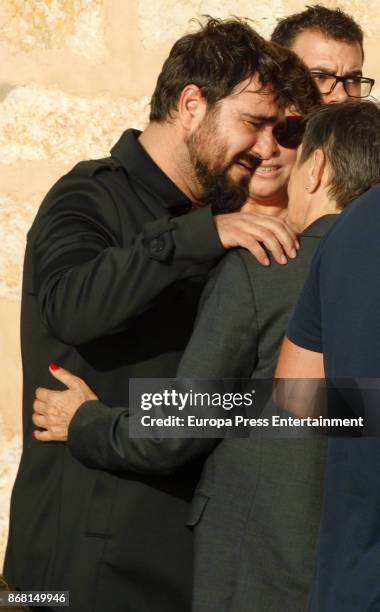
(141, 167)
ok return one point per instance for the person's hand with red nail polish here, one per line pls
(53, 410)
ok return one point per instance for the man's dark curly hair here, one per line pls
(291, 80)
(333, 23)
(222, 54)
(349, 135)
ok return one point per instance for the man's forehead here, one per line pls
(314, 46)
(252, 95)
(253, 85)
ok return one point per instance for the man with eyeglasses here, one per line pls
(330, 43)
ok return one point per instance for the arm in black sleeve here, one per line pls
(223, 345)
(89, 284)
(99, 437)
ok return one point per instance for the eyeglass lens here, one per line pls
(355, 87)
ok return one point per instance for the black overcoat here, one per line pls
(113, 273)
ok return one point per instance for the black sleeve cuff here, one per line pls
(89, 434)
(99, 438)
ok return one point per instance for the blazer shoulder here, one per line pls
(232, 268)
(229, 287)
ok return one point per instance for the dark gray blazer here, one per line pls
(256, 510)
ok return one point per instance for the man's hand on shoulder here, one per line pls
(254, 231)
(53, 410)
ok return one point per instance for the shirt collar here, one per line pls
(139, 165)
(320, 226)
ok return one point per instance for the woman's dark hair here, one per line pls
(222, 54)
(349, 135)
(333, 23)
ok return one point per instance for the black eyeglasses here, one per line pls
(354, 86)
(289, 133)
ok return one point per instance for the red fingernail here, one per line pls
(33, 434)
(54, 366)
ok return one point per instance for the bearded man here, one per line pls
(115, 263)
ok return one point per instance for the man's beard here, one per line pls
(207, 156)
(219, 190)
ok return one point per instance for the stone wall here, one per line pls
(75, 74)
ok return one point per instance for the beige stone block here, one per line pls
(172, 20)
(29, 181)
(10, 450)
(164, 26)
(30, 25)
(10, 409)
(10, 360)
(15, 219)
(262, 15)
(367, 14)
(45, 123)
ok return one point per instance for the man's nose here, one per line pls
(266, 145)
(337, 95)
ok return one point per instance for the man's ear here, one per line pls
(191, 106)
(318, 171)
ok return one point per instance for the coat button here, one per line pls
(161, 247)
(157, 244)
